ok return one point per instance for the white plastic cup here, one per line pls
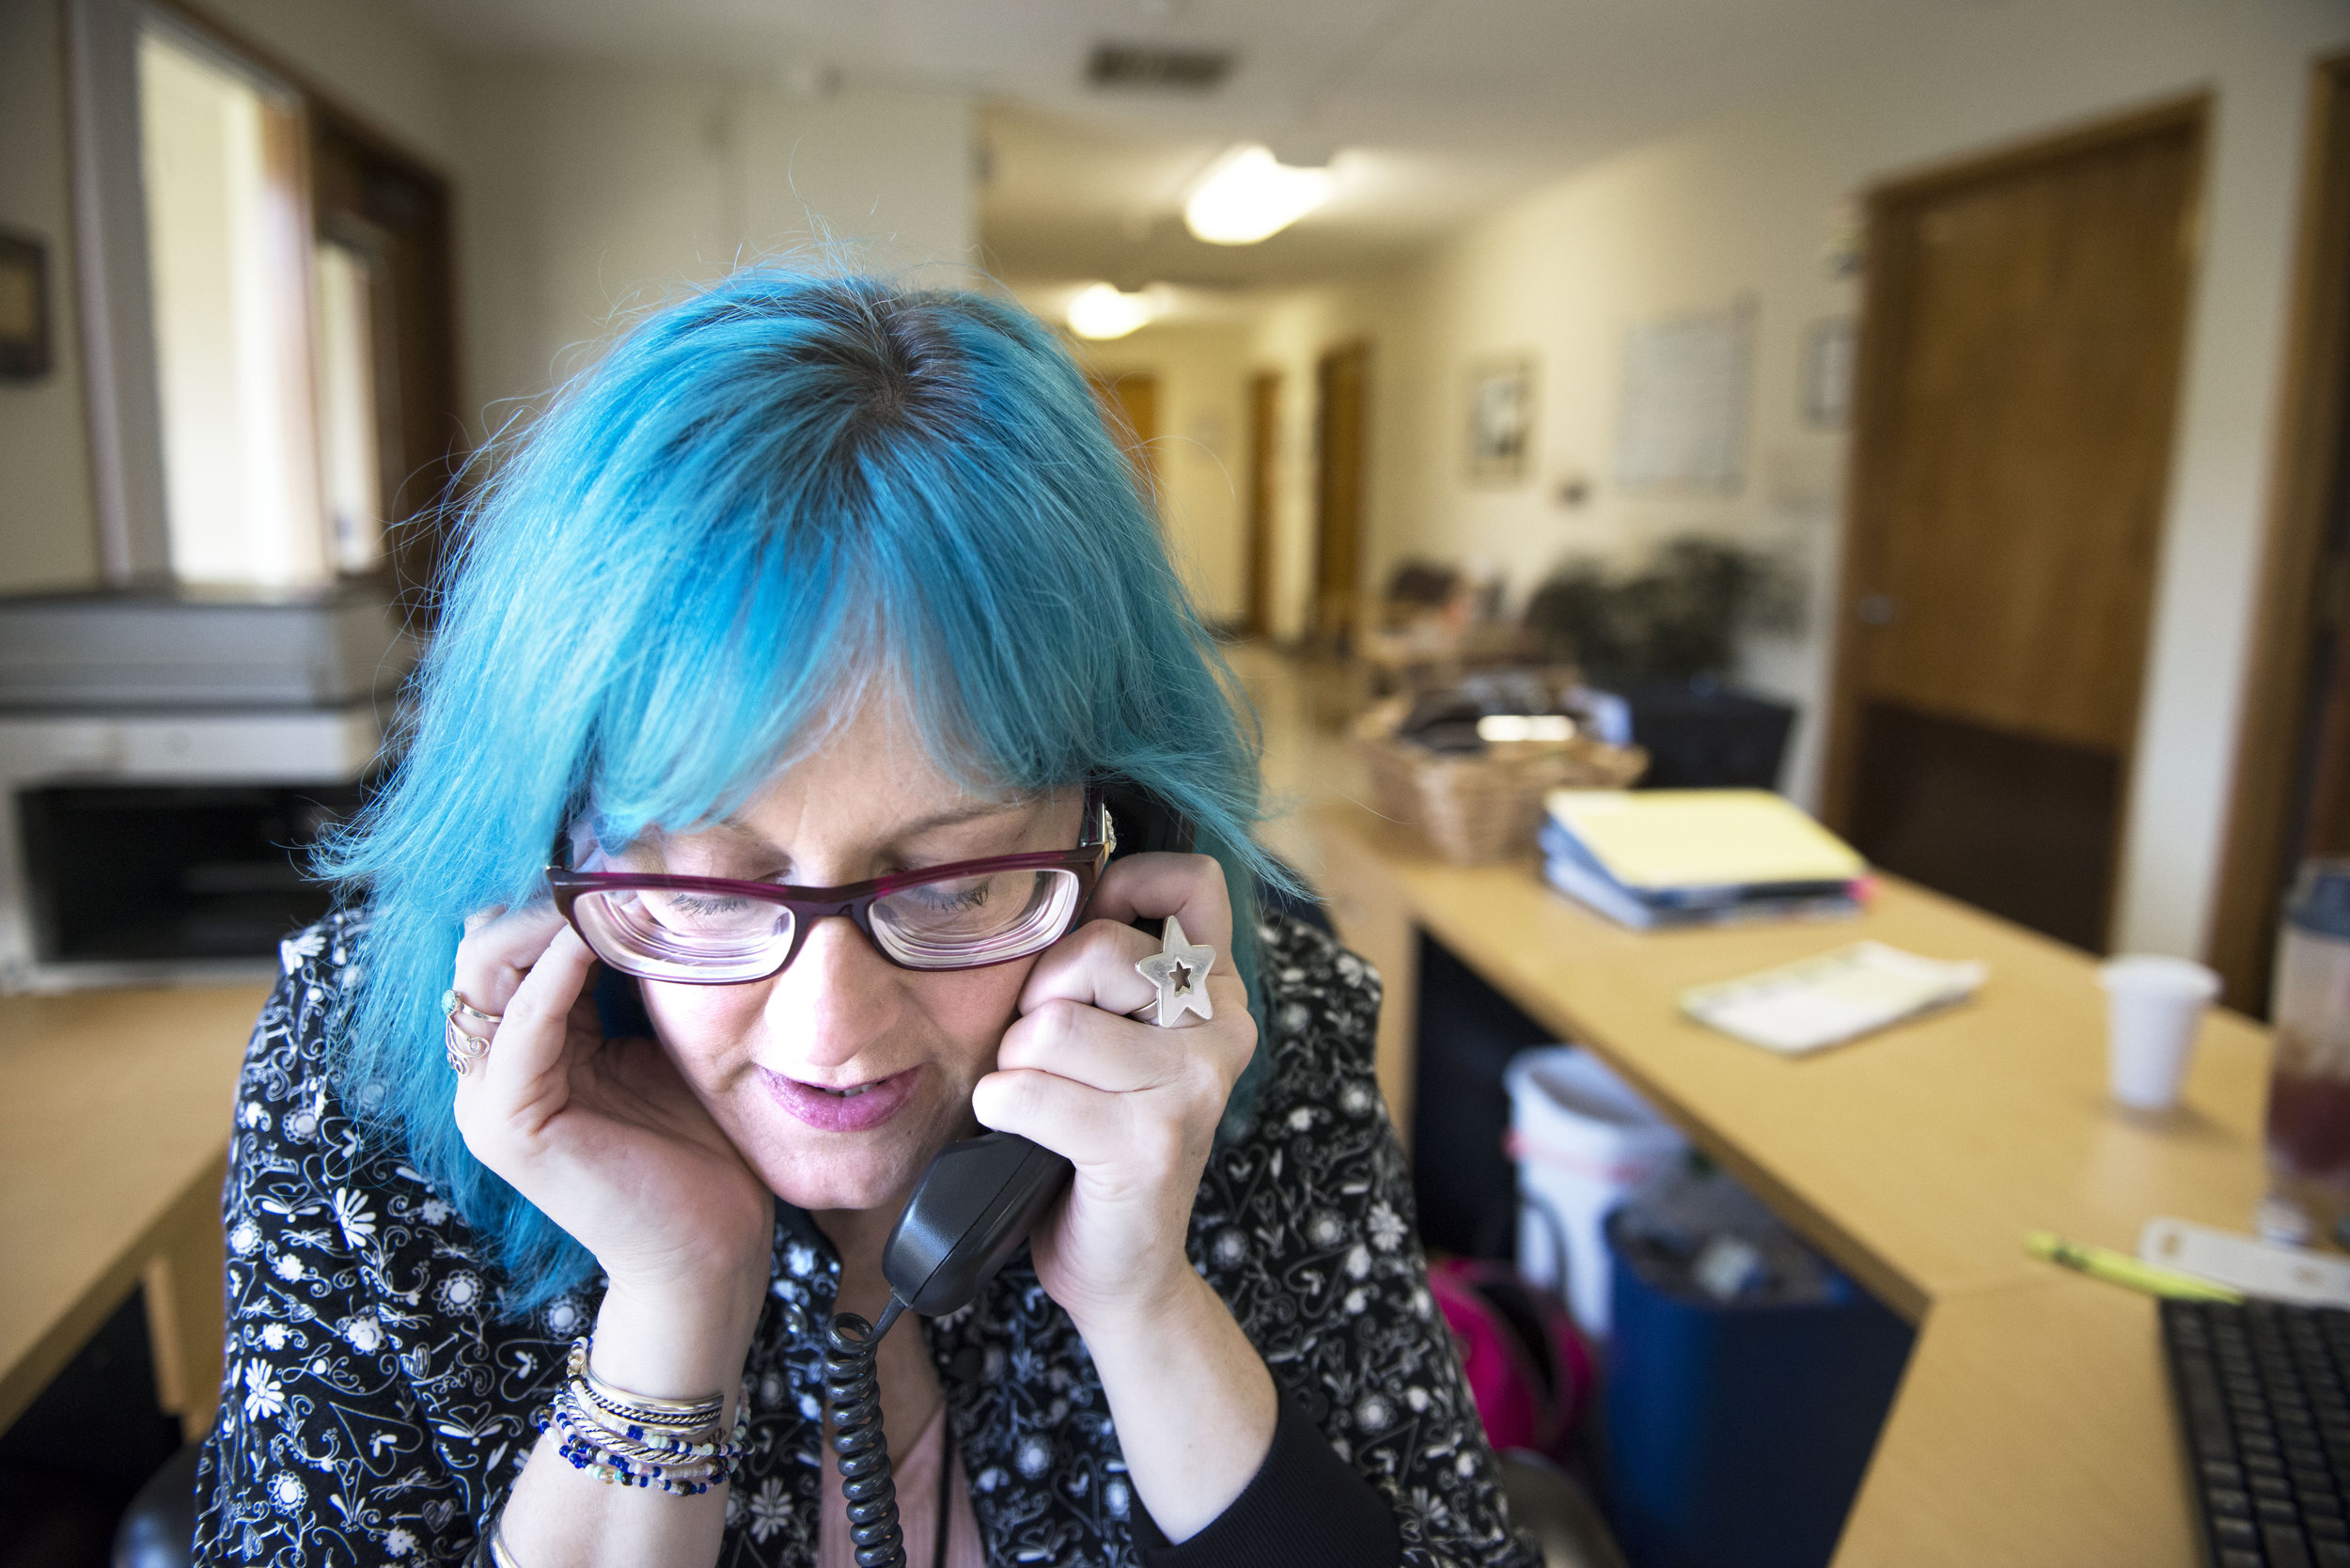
(2153, 1008)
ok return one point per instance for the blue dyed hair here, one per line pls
(680, 581)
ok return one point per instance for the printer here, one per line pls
(168, 755)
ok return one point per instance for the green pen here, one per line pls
(2119, 1268)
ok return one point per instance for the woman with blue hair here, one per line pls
(758, 834)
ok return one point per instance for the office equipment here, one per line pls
(2245, 1265)
(1837, 996)
(184, 646)
(1670, 857)
(2119, 1268)
(1702, 735)
(2265, 1413)
(2032, 1424)
(163, 755)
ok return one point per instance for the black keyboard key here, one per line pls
(2276, 1511)
(2226, 1501)
(2327, 1527)
(2234, 1532)
(2223, 1472)
(2330, 1554)
(2286, 1546)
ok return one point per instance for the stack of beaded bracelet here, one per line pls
(629, 1440)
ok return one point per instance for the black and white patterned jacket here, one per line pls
(377, 1406)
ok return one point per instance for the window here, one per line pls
(225, 230)
(266, 290)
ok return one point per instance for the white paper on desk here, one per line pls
(1835, 998)
(2246, 1264)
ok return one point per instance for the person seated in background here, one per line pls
(821, 632)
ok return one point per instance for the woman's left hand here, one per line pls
(1134, 1107)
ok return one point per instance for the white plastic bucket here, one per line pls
(1582, 1140)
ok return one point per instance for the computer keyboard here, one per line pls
(2261, 1397)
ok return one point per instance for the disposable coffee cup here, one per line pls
(2153, 1008)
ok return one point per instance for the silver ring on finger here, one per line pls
(1179, 970)
(465, 1051)
(453, 1004)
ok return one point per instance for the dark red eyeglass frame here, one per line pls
(854, 900)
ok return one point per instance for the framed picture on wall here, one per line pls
(1501, 421)
(23, 308)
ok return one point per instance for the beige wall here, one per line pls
(1202, 450)
(48, 524)
(1292, 334)
(594, 192)
(1746, 205)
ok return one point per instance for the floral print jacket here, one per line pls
(377, 1403)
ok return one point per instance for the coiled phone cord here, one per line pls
(852, 1390)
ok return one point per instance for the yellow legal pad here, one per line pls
(1660, 840)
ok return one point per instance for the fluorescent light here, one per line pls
(1100, 310)
(1248, 197)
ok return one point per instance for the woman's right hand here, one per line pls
(609, 1141)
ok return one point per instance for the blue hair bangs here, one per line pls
(767, 503)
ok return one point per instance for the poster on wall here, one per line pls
(1683, 421)
(1501, 421)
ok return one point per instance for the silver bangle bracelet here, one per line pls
(501, 1556)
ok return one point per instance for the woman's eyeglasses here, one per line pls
(709, 931)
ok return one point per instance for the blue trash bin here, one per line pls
(1737, 1433)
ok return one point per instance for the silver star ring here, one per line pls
(1179, 970)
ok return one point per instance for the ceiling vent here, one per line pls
(1155, 67)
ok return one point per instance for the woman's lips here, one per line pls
(867, 1108)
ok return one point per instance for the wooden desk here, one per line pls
(114, 1138)
(2032, 1410)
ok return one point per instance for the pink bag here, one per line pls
(1529, 1369)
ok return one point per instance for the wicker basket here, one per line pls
(1486, 806)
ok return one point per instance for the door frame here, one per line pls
(2308, 482)
(1886, 294)
(1264, 414)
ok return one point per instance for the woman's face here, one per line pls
(772, 1059)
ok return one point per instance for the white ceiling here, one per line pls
(1440, 109)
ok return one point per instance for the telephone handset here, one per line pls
(970, 1212)
(978, 1200)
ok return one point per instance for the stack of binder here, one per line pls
(1692, 857)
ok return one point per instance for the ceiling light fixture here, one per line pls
(1100, 311)
(1249, 195)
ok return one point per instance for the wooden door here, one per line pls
(1264, 430)
(1129, 401)
(2020, 367)
(1342, 381)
